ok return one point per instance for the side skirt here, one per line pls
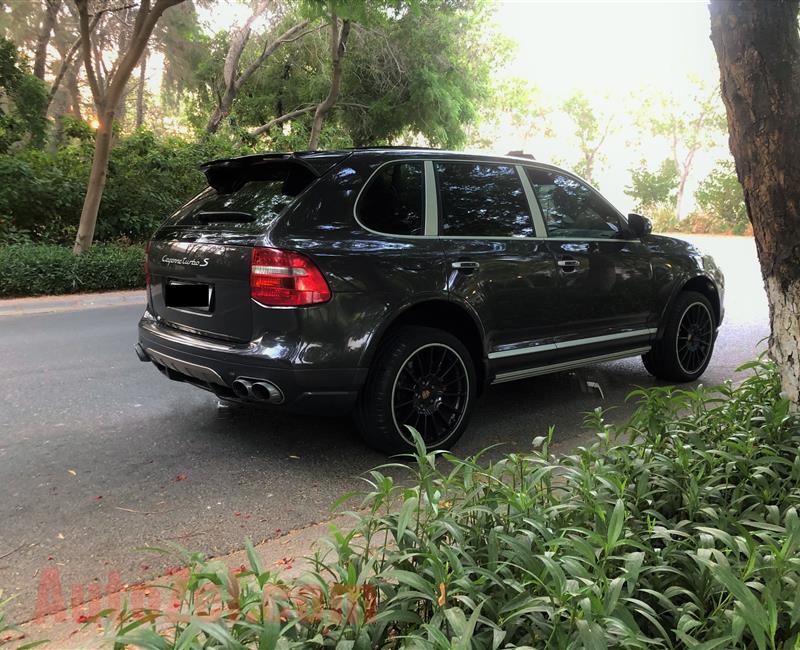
(567, 365)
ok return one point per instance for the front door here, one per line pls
(606, 291)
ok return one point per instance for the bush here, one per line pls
(677, 529)
(36, 269)
(149, 177)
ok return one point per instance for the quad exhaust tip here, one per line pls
(258, 390)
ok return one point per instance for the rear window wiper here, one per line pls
(210, 216)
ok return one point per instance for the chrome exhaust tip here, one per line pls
(242, 388)
(267, 392)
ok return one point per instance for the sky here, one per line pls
(615, 52)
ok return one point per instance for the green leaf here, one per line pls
(591, 635)
(407, 509)
(615, 524)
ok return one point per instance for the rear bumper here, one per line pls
(214, 366)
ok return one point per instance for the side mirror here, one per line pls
(639, 225)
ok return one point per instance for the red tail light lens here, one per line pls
(147, 264)
(286, 279)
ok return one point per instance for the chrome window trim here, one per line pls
(533, 205)
(567, 365)
(573, 343)
(431, 201)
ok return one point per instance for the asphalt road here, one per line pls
(101, 455)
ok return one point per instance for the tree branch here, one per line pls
(288, 36)
(283, 118)
(86, 46)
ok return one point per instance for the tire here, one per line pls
(420, 376)
(692, 319)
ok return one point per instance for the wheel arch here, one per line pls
(703, 285)
(440, 313)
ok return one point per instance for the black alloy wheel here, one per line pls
(684, 350)
(430, 394)
(695, 337)
(423, 378)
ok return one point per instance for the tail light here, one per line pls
(147, 264)
(286, 279)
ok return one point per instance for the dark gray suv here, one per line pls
(397, 283)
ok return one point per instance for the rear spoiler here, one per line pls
(228, 174)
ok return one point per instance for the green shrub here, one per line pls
(679, 529)
(149, 177)
(36, 269)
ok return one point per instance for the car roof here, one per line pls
(319, 160)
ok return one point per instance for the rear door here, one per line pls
(199, 260)
(605, 275)
(497, 264)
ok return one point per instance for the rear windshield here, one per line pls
(257, 196)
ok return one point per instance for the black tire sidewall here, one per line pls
(374, 415)
(662, 361)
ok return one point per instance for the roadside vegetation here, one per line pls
(677, 529)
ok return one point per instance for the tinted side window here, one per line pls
(393, 202)
(482, 200)
(571, 209)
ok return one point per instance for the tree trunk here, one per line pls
(221, 110)
(684, 176)
(140, 91)
(106, 99)
(97, 182)
(42, 41)
(74, 94)
(758, 49)
(338, 47)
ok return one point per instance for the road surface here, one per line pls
(101, 455)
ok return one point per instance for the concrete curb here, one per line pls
(287, 553)
(71, 302)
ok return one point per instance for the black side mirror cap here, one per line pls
(640, 226)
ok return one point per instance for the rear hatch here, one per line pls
(199, 260)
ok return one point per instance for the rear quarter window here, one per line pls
(393, 200)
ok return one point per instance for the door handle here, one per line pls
(569, 264)
(466, 265)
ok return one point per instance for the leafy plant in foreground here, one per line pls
(678, 529)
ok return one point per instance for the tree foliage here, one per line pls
(23, 101)
(720, 196)
(654, 188)
(591, 130)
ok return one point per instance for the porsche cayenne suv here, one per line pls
(398, 283)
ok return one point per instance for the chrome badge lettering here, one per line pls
(184, 261)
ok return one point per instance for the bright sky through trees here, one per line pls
(617, 53)
(613, 51)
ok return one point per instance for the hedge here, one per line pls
(38, 269)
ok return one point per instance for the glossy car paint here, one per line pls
(525, 309)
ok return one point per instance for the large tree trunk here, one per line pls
(97, 182)
(42, 41)
(758, 48)
(338, 47)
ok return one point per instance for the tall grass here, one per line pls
(678, 529)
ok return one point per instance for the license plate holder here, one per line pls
(189, 296)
